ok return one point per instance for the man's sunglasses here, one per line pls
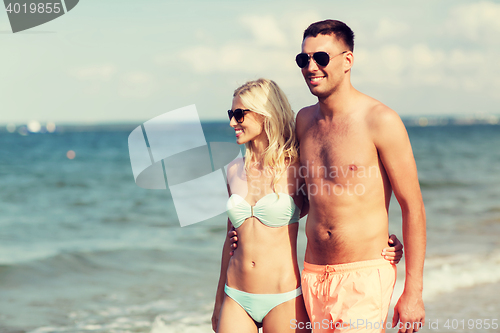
(321, 58)
(238, 114)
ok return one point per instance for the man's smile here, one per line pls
(314, 79)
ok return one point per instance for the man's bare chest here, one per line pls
(337, 153)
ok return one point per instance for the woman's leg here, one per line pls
(290, 316)
(233, 318)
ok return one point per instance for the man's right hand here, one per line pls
(215, 316)
(233, 240)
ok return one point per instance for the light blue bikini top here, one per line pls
(274, 210)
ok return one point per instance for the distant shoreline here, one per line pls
(409, 121)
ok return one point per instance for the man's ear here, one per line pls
(348, 61)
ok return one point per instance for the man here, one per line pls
(356, 151)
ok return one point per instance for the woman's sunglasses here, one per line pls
(321, 58)
(238, 114)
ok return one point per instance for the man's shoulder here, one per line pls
(383, 123)
(306, 112)
(379, 115)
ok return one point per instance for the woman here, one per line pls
(260, 284)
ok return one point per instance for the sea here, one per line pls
(84, 249)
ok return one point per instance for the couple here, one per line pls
(354, 151)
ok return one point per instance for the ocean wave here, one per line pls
(447, 274)
(135, 318)
(442, 184)
(186, 323)
(88, 263)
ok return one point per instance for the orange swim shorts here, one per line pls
(353, 297)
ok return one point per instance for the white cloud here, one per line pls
(137, 84)
(94, 72)
(420, 65)
(388, 29)
(478, 22)
(165, 59)
(466, 60)
(382, 65)
(265, 30)
(272, 48)
(394, 57)
(206, 59)
(425, 58)
(237, 57)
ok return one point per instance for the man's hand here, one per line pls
(215, 316)
(233, 239)
(410, 313)
(394, 252)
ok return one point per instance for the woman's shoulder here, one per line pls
(235, 165)
(239, 161)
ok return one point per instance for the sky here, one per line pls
(118, 61)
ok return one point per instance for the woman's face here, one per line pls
(252, 127)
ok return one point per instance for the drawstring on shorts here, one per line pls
(326, 278)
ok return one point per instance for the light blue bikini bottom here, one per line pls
(258, 305)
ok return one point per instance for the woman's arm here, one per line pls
(219, 296)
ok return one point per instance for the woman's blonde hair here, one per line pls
(264, 97)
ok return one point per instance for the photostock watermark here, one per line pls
(344, 180)
(358, 324)
(25, 15)
(194, 170)
(450, 324)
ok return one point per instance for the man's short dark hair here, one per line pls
(332, 27)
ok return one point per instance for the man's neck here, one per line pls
(338, 102)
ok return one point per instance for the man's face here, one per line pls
(323, 81)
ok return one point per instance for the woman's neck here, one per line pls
(259, 146)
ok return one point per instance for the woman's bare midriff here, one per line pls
(265, 261)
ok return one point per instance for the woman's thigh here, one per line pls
(290, 316)
(233, 318)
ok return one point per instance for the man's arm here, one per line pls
(393, 146)
(301, 122)
(232, 235)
